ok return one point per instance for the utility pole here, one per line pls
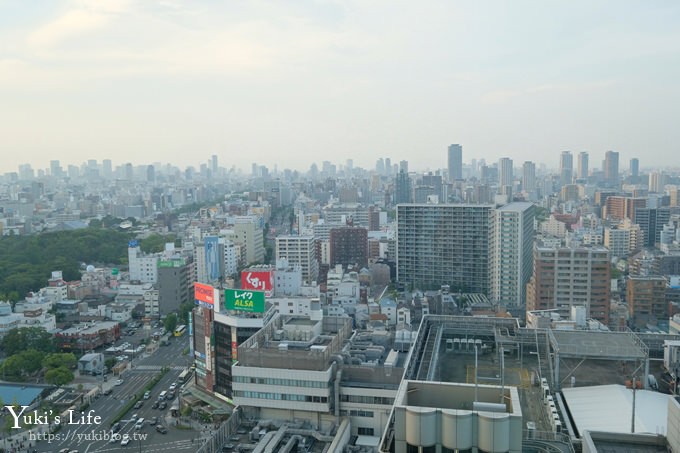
(632, 419)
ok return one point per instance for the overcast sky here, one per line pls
(293, 82)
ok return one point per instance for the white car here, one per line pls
(173, 387)
(119, 382)
(125, 440)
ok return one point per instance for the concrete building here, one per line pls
(248, 235)
(143, 268)
(619, 208)
(646, 297)
(566, 277)
(652, 220)
(231, 328)
(512, 257)
(445, 244)
(174, 285)
(299, 251)
(349, 246)
(624, 238)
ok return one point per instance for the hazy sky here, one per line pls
(291, 82)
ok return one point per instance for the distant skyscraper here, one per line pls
(505, 176)
(582, 171)
(403, 193)
(213, 165)
(529, 176)
(611, 168)
(107, 169)
(388, 166)
(566, 167)
(55, 168)
(634, 167)
(380, 166)
(403, 166)
(455, 162)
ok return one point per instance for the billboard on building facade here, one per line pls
(212, 257)
(204, 295)
(244, 300)
(258, 281)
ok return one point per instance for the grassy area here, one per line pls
(138, 396)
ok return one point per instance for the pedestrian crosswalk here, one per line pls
(157, 367)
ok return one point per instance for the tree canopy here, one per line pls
(59, 376)
(23, 338)
(170, 322)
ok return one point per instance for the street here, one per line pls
(96, 437)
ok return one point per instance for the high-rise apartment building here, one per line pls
(566, 167)
(619, 208)
(299, 251)
(582, 165)
(565, 277)
(657, 181)
(455, 162)
(529, 176)
(512, 257)
(611, 168)
(624, 238)
(441, 244)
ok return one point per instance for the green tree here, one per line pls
(170, 322)
(156, 243)
(23, 338)
(110, 362)
(56, 360)
(59, 376)
(184, 310)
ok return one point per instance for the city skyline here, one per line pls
(281, 84)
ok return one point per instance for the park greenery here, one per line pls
(24, 338)
(26, 262)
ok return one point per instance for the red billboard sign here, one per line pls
(204, 295)
(258, 281)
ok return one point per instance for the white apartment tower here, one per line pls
(299, 251)
(512, 253)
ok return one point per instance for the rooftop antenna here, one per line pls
(632, 419)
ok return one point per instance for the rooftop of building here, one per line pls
(516, 206)
(89, 329)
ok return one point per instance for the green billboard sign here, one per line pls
(244, 300)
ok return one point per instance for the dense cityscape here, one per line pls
(482, 306)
